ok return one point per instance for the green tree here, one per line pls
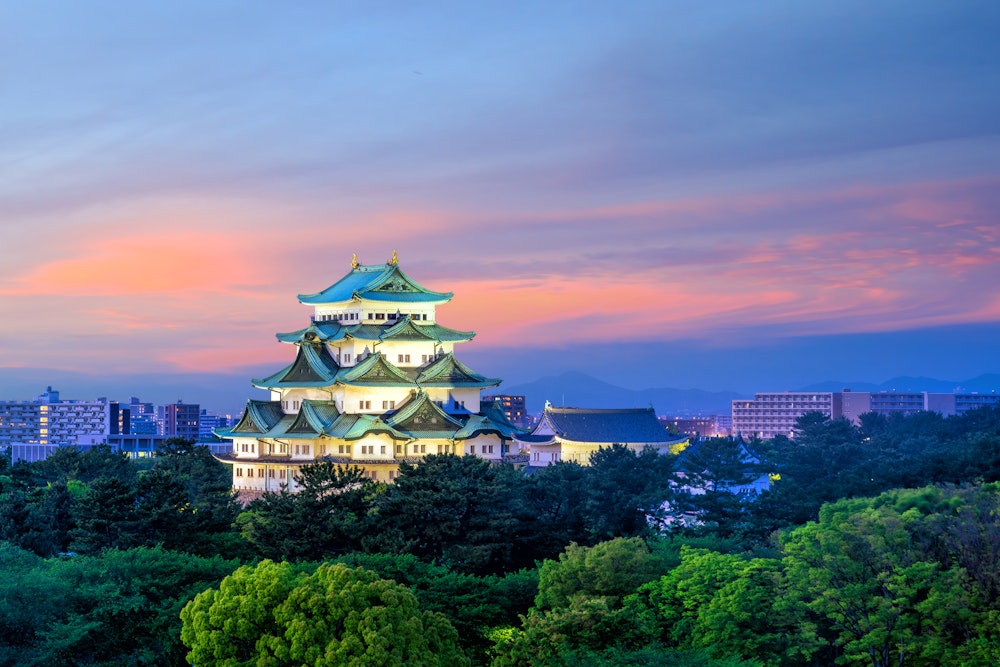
(883, 582)
(118, 608)
(106, 517)
(282, 615)
(579, 605)
(327, 517)
(463, 512)
(609, 569)
(624, 489)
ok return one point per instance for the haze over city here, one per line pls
(723, 196)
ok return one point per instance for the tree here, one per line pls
(328, 517)
(118, 608)
(277, 614)
(106, 517)
(623, 490)
(611, 569)
(885, 576)
(579, 604)
(463, 512)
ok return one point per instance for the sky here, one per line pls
(730, 195)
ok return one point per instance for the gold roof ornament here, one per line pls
(395, 259)
(354, 261)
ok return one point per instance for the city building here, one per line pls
(374, 382)
(770, 414)
(178, 420)
(513, 407)
(142, 417)
(711, 426)
(574, 434)
(48, 419)
(775, 413)
(209, 423)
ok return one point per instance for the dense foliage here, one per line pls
(878, 544)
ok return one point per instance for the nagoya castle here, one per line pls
(374, 381)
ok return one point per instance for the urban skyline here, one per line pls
(663, 194)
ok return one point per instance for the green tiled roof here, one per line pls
(447, 371)
(315, 417)
(493, 411)
(356, 426)
(375, 370)
(334, 331)
(378, 282)
(258, 418)
(421, 414)
(313, 367)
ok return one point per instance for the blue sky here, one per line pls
(774, 193)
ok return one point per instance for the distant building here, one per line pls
(179, 420)
(775, 413)
(142, 417)
(770, 414)
(513, 407)
(208, 422)
(573, 434)
(47, 419)
(706, 427)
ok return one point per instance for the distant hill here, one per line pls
(574, 389)
(982, 384)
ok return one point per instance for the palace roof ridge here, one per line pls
(376, 282)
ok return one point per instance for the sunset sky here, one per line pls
(741, 195)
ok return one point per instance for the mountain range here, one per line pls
(575, 389)
(228, 393)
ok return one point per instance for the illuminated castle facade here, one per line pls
(374, 382)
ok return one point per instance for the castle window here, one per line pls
(379, 316)
(270, 473)
(383, 449)
(239, 472)
(260, 472)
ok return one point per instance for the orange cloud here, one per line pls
(181, 261)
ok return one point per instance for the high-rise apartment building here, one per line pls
(513, 407)
(47, 419)
(775, 413)
(178, 420)
(770, 414)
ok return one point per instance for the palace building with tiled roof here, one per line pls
(574, 434)
(374, 382)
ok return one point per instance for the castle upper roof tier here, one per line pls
(314, 367)
(402, 329)
(376, 282)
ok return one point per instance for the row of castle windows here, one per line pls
(353, 317)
